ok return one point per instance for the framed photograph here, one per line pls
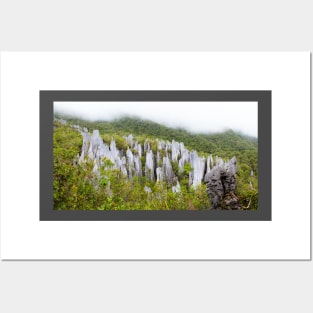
(155, 155)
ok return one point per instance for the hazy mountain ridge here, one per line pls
(209, 143)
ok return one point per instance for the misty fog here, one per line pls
(204, 117)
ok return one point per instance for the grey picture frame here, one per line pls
(262, 97)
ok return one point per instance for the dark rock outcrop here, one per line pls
(221, 185)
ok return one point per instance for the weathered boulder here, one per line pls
(221, 185)
(214, 187)
(230, 202)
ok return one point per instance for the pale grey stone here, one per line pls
(167, 170)
(176, 188)
(137, 165)
(147, 189)
(159, 174)
(198, 166)
(149, 167)
(175, 147)
(129, 139)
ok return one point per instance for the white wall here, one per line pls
(156, 286)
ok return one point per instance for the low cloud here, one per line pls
(195, 116)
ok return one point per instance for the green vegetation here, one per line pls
(76, 187)
(72, 183)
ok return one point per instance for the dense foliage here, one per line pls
(77, 187)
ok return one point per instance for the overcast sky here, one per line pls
(194, 116)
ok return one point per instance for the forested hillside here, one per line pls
(76, 185)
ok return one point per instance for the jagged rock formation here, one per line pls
(158, 164)
(198, 165)
(220, 177)
(149, 168)
(221, 185)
